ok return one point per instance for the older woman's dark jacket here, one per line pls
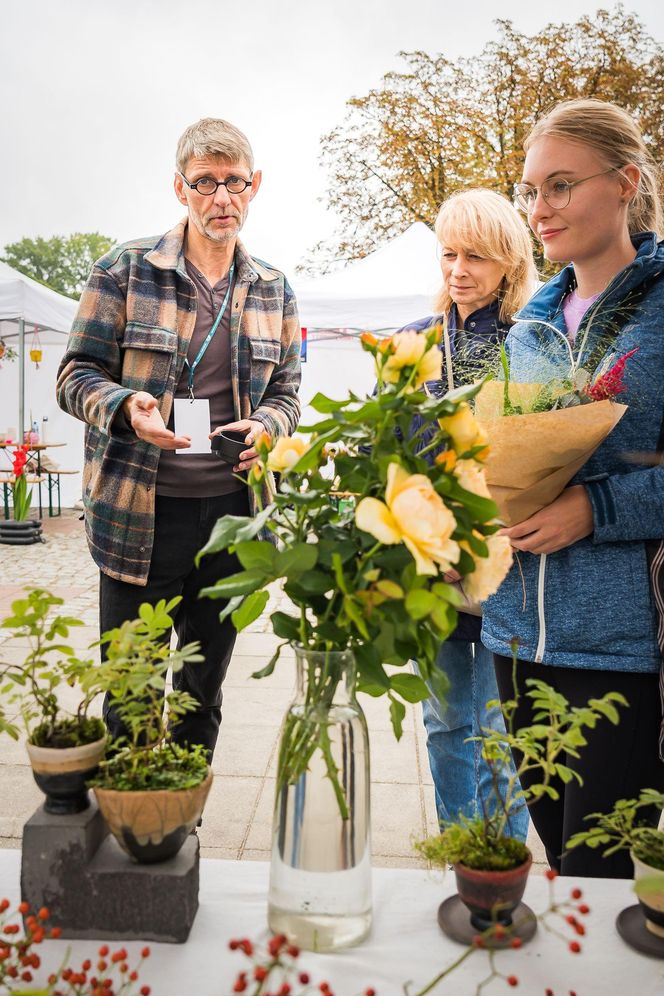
(473, 343)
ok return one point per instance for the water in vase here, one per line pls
(320, 877)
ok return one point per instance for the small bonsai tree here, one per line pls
(556, 733)
(134, 676)
(621, 829)
(28, 690)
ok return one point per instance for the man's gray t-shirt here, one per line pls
(204, 475)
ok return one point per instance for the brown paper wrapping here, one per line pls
(532, 457)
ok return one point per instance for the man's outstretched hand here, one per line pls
(143, 415)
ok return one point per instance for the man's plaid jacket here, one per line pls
(131, 333)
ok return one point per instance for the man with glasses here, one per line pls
(176, 338)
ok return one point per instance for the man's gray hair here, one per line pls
(213, 137)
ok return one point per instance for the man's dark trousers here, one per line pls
(182, 528)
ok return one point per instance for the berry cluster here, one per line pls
(274, 971)
(111, 975)
(566, 911)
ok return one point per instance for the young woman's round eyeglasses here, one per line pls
(556, 192)
(207, 185)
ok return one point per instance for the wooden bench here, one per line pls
(53, 484)
(8, 481)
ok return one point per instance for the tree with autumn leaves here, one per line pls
(439, 125)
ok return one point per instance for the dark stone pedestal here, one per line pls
(92, 888)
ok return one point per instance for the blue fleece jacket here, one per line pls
(590, 605)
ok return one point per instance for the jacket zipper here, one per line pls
(541, 641)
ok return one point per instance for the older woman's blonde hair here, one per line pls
(484, 222)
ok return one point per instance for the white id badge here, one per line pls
(192, 418)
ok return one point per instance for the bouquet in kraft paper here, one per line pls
(540, 435)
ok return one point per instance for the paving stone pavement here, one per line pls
(238, 813)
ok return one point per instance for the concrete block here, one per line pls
(92, 888)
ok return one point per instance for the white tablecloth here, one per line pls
(406, 943)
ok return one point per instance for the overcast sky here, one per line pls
(95, 94)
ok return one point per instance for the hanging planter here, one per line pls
(36, 352)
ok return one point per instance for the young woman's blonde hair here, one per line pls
(617, 139)
(484, 222)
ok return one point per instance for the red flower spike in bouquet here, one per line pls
(22, 495)
(611, 383)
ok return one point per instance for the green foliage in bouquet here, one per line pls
(590, 374)
(364, 526)
(385, 495)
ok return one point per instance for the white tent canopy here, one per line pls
(23, 298)
(385, 290)
(24, 302)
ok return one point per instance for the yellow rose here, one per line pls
(413, 514)
(472, 478)
(463, 429)
(286, 452)
(489, 571)
(409, 349)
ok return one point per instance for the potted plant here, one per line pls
(151, 790)
(64, 748)
(20, 530)
(375, 503)
(490, 866)
(623, 828)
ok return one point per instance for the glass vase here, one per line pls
(320, 874)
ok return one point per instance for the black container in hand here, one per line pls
(228, 445)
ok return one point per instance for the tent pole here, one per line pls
(21, 379)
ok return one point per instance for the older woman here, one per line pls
(488, 274)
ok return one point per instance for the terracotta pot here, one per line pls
(152, 826)
(62, 772)
(653, 903)
(492, 895)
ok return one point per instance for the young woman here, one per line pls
(579, 601)
(488, 274)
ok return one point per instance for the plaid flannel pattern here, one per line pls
(131, 333)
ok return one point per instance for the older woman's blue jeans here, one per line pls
(461, 777)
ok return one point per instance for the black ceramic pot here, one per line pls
(62, 773)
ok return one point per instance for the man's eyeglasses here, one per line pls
(557, 193)
(206, 185)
